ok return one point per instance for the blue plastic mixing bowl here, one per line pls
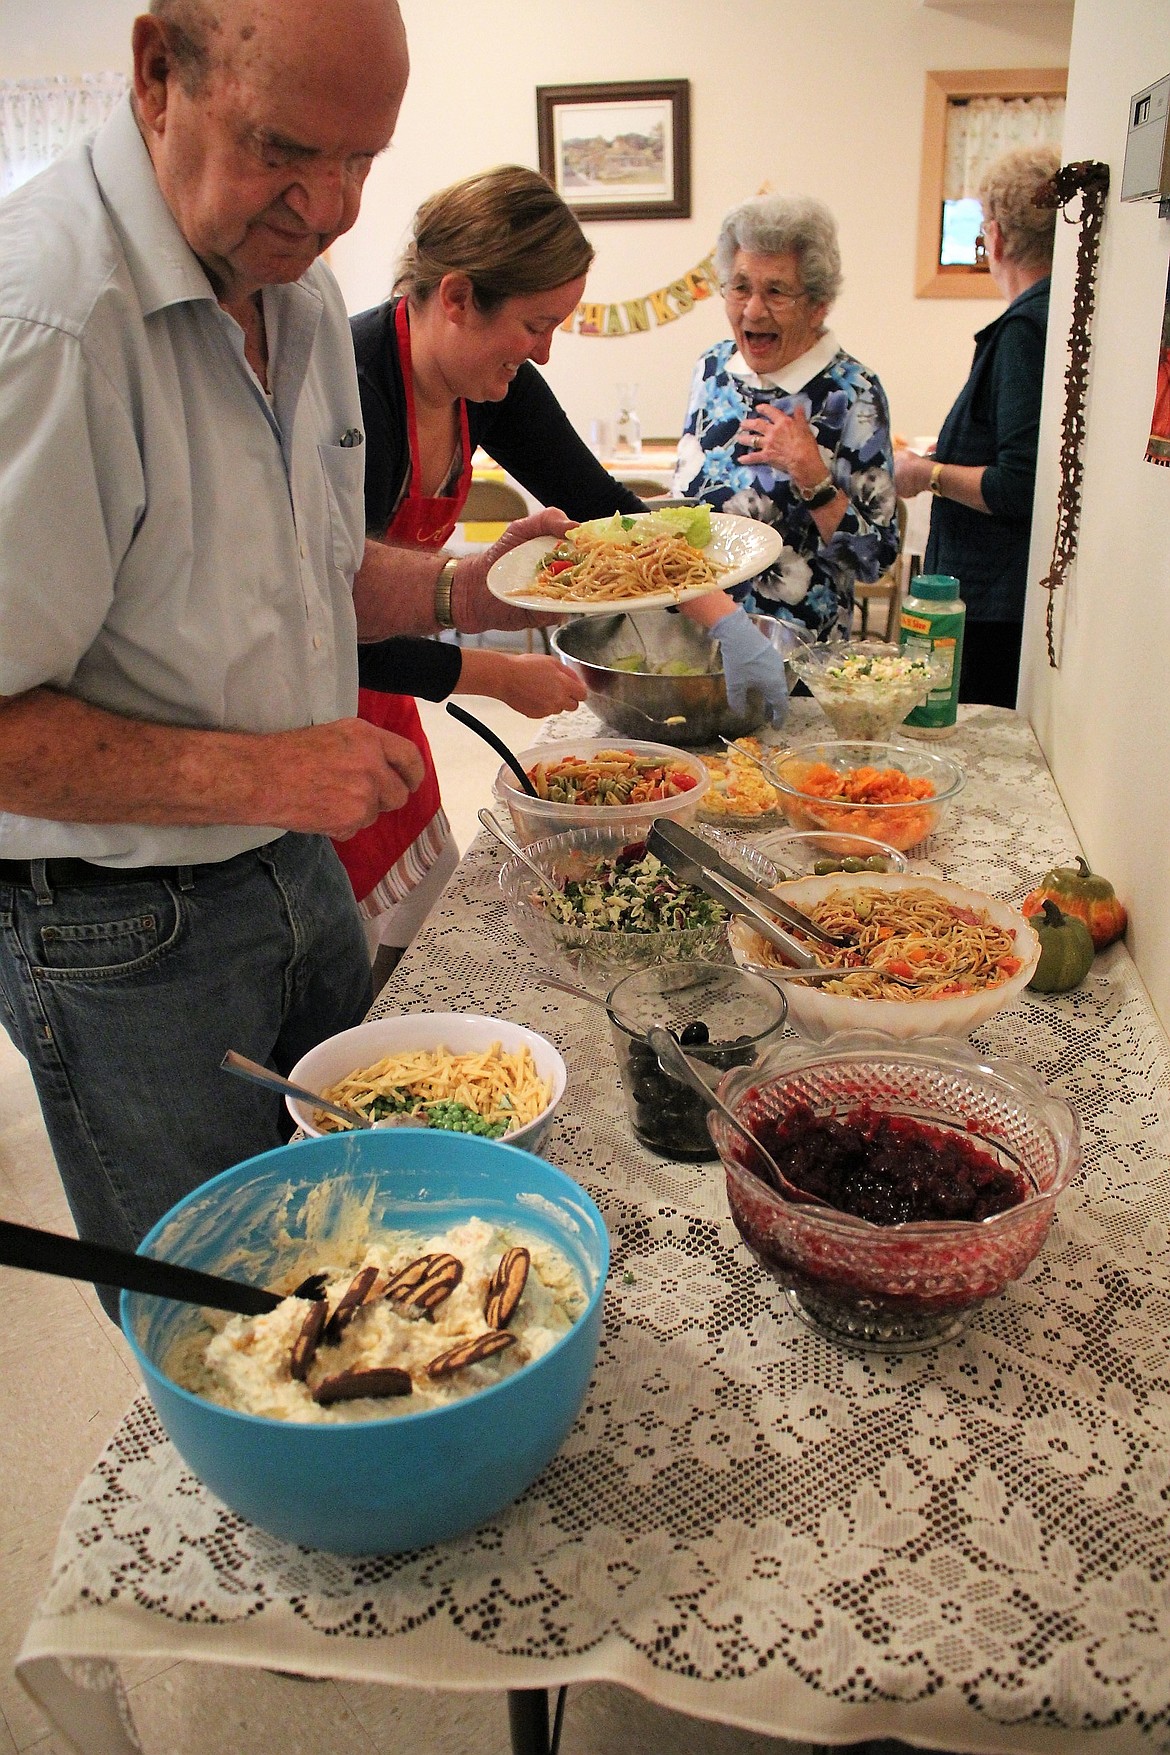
(373, 1486)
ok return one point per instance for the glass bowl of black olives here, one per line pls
(723, 1018)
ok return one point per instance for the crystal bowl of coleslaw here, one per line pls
(620, 909)
(602, 783)
(866, 687)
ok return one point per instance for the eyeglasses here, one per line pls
(776, 298)
(980, 250)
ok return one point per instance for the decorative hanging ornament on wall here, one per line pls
(635, 316)
(1089, 179)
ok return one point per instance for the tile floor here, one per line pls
(66, 1376)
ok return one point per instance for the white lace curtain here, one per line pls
(42, 118)
(980, 129)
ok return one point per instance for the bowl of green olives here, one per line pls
(821, 852)
(722, 1016)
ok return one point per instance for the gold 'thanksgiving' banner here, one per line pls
(635, 316)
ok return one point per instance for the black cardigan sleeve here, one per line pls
(387, 441)
(407, 665)
(530, 435)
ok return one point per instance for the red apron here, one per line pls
(421, 521)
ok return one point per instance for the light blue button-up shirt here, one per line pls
(173, 546)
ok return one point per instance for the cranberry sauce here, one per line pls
(889, 1169)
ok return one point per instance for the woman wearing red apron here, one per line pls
(495, 266)
(399, 865)
(392, 857)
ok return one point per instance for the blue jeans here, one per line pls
(124, 997)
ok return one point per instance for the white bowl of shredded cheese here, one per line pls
(452, 1070)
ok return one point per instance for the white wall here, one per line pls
(1104, 716)
(826, 100)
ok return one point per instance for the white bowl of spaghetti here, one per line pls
(641, 559)
(437, 1069)
(973, 954)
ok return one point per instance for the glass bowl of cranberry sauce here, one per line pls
(941, 1173)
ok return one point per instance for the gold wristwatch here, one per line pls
(936, 480)
(820, 495)
(443, 583)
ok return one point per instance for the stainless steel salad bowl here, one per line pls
(678, 708)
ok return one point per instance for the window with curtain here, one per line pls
(971, 117)
(42, 118)
(978, 131)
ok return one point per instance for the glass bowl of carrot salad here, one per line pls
(883, 790)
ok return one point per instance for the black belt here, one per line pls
(74, 873)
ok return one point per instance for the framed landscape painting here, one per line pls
(620, 151)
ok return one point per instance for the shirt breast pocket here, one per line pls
(345, 480)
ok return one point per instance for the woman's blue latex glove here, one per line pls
(750, 662)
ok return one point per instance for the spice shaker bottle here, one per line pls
(933, 618)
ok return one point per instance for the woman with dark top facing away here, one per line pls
(495, 264)
(982, 471)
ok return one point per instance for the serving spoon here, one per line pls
(263, 1075)
(676, 1064)
(759, 761)
(496, 743)
(493, 827)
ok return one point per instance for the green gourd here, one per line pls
(1066, 950)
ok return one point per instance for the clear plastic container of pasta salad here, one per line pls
(602, 783)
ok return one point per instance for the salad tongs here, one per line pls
(735, 900)
(701, 853)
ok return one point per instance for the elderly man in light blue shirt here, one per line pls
(183, 577)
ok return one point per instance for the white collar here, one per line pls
(795, 375)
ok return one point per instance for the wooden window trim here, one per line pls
(931, 281)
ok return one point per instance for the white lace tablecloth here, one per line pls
(968, 1548)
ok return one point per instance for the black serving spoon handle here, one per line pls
(497, 743)
(47, 1252)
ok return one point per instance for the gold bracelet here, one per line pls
(936, 481)
(443, 583)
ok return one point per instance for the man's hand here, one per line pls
(473, 607)
(334, 779)
(67, 761)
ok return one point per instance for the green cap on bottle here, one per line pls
(935, 587)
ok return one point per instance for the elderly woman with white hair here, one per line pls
(785, 426)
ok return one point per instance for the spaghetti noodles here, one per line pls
(588, 568)
(914, 933)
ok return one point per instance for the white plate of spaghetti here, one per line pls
(646, 560)
(972, 953)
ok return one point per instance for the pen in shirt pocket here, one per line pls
(352, 436)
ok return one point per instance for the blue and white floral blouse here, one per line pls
(812, 582)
